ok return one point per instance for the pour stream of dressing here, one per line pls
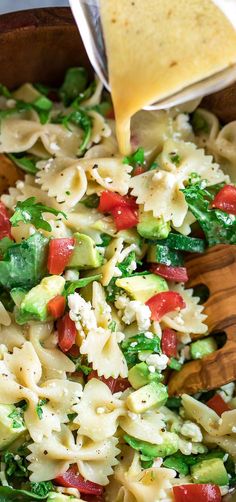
(157, 47)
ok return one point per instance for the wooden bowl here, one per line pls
(39, 45)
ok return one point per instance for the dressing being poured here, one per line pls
(157, 47)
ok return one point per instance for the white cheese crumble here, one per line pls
(117, 272)
(137, 311)
(159, 362)
(192, 431)
(121, 302)
(81, 312)
(71, 275)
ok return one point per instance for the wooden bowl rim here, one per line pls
(33, 18)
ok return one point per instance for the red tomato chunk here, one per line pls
(162, 303)
(197, 493)
(60, 251)
(66, 333)
(225, 199)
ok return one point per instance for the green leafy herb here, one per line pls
(5, 244)
(43, 89)
(75, 82)
(174, 364)
(194, 178)
(13, 495)
(146, 462)
(24, 264)
(17, 416)
(175, 158)
(43, 106)
(91, 201)
(39, 409)
(71, 286)
(72, 416)
(199, 123)
(81, 365)
(41, 489)
(139, 343)
(6, 300)
(31, 211)
(16, 465)
(218, 226)
(136, 158)
(105, 109)
(26, 163)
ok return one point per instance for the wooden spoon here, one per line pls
(217, 270)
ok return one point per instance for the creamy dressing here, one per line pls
(157, 47)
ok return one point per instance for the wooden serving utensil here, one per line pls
(217, 270)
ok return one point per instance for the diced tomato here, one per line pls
(110, 200)
(114, 384)
(5, 224)
(218, 404)
(124, 217)
(72, 479)
(177, 274)
(138, 170)
(66, 332)
(162, 303)
(60, 251)
(169, 342)
(225, 199)
(56, 306)
(197, 493)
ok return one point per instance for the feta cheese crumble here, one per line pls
(81, 312)
(71, 275)
(192, 431)
(159, 362)
(137, 311)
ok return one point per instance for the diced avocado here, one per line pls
(203, 347)
(185, 243)
(34, 304)
(18, 295)
(139, 375)
(150, 227)
(153, 395)
(11, 424)
(210, 471)
(157, 253)
(142, 287)
(60, 497)
(169, 445)
(85, 254)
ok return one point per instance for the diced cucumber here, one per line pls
(184, 243)
(158, 253)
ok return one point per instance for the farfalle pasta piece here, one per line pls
(12, 336)
(224, 149)
(20, 375)
(190, 319)
(61, 451)
(226, 443)
(111, 173)
(208, 418)
(63, 179)
(27, 188)
(98, 411)
(5, 319)
(113, 252)
(103, 352)
(108, 147)
(51, 358)
(146, 426)
(160, 190)
(130, 483)
(101, 308)
(96, 96)
(100, 128)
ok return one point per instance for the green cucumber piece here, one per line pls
(158, 253)
(184, 243)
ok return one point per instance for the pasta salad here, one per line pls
(94, 309)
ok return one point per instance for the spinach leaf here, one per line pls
(42, 105)
(4, 91)
(199, 123)
(218, 226)
(26, 162)
(24, 264)
(139, 343)
(6, 300)
(16, 465)
(136, 158)
(75, 82)
(41, 489)
(86, 94)
(81, 119)
(10, 494)
(17, 416)
(106, 239)
(31, 211)
(71, 286)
